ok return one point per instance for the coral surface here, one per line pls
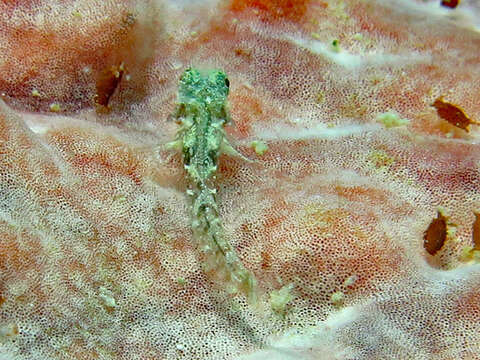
(357, 214)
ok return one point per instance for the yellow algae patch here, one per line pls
(353, 106)
(391, 119)
(55, 107)
(337, 298)
(470, 255)
(357, 36)
(35, 93)
(107, 298)
(380, 159)
(336, 45)
(8, 332)
(280, 298)
(320, 97)
(260, 147)
(315, 216)
(352, 279)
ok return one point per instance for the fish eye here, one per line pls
(227, 83)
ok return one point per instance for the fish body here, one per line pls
(202, 113)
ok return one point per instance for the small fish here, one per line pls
(202, 113)
(436, 234)
(107, 83)
(453, 114)
(452, 4)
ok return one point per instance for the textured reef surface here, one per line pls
(354, 204)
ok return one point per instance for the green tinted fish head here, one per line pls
(204, 91)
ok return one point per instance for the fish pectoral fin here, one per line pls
(227, 148)
(174, 145)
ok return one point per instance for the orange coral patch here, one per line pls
(453, 114)
(115, 158)
(242, 125)
(266, 263)
(357, 193)
(78, 350)
(468, 306)
(105, 162)
(274, 9)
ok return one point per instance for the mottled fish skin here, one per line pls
(202, 113)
